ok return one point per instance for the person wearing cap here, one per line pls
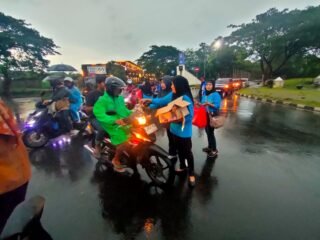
(74, 98)
(15, 170)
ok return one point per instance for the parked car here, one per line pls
(224, 86)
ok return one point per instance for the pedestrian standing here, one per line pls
(166, 82)
(211, 100)
(181, 131)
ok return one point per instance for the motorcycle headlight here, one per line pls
(142, 120)
(30, 123)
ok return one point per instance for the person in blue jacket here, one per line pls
(211, 100)
(181, 131)
(74, 98)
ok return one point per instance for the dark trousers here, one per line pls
(172, 148)
(8, 202)
(64, 121)
(210, 134)
(184, 148)
(101, 133)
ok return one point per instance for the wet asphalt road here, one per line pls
(265, 184)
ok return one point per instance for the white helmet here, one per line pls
(68, 79)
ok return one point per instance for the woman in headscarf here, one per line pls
(147, 90)
(165, 82)
(181, 132)
(211, 100)
(15, 171)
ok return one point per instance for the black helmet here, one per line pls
(114, 86)
(54, 82)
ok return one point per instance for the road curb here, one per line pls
(280, 102)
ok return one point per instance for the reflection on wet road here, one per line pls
(263, 185)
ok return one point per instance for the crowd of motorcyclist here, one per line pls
(108, 96)
(169, 88)
(105, 97)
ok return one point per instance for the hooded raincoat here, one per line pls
(106, 103)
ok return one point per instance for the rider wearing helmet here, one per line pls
(74, 98)
(59, 90)
(110, 110)
(130, 87)
(60, 97)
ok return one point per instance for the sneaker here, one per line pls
(206, 150)
(213, 154)
(172, 156)
(192, 181)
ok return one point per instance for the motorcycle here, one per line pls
(24, 222)
(41, 126)
(132, 98)
(141, 149)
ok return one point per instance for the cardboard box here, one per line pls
(174, 111)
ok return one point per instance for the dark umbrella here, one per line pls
(61, 68)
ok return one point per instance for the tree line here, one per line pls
(284, 43)
(275, 43)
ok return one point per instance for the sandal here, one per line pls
(213, 154)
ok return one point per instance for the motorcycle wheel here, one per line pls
(160, 169)
(34, 139)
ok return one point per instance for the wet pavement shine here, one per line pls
(265, 184)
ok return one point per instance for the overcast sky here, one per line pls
(95, 31)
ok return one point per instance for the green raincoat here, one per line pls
(118, 134)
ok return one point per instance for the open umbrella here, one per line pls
(61, 68)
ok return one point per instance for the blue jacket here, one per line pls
(75, 97)
(176, 128)
(213, 98)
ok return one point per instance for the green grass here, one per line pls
(307, 83)
(307, 96)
